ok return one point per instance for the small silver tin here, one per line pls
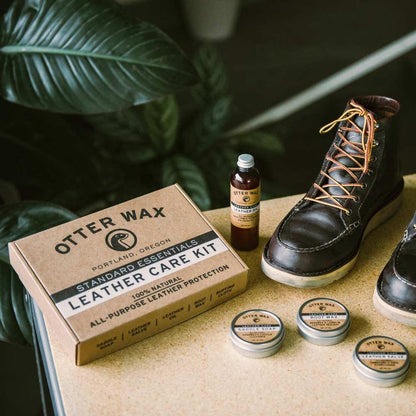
(381, 361)
(257, 333)
(323, 321)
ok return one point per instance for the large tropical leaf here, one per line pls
(21, 219)
(182, 170)
(122, 136)
(211, 70)
(127, 125)
(14, 323)
(16, 221)
(205, 129)
(218, 166)
(162, 122)
(78, 56)
(135, 154)
(54, 150)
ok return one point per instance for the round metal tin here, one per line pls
(381, 361)
(257, 333)
(323, 321)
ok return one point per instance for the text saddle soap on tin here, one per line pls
(257, 333)
(119, 275)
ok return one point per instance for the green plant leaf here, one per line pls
(122, 136)
(77, 56)
(211, 70)
(21, 219)
(206, 127)
(16, 221)
(162, 122)
(182, 170)
(9, 326)
(259, 141)
(58, 155)
(218, 166)
(3, 334)
(134, 154)
(126, 125)
(19, 307)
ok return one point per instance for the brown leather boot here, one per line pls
(395, 293)
(358, 187)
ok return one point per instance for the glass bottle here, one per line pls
(245, 204)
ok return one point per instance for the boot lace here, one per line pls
(361, 156)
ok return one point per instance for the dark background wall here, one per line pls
(281, 47)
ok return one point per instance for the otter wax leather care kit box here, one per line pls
(120, 275)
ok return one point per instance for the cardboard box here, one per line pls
(122, 274)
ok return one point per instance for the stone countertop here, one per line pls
(193, 369)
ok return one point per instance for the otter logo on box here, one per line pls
(121, 239)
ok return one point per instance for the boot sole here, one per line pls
(390, 312)
(301, 281)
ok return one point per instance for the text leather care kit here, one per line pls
(117, 276)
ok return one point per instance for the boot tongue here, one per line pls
(341, 175)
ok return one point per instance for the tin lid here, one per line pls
(257, 329)
(381, 358)
(323, 319)
(245, 161)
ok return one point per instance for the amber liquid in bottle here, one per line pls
(245, 204)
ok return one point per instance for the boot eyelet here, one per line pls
(356, 198)
(364, 186)
(369, 172)
(348, 213)
(373, 158)
(376, 143)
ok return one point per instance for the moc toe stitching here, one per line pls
(308, 249)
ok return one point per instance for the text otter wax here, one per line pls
(119, 275)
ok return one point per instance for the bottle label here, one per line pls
(245, 207)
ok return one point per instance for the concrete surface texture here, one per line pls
(193, 368)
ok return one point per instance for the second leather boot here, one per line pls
(395, 293)
(359, 186)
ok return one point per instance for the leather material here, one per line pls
(397, 282)
(315, 239)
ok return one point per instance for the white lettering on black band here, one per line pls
(71, 301)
